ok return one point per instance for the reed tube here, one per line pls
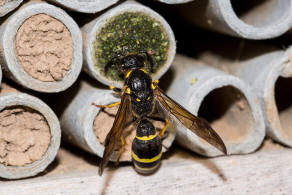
(270, 74)
(30, 134)
(224, 100)
(42, 48)
(89, 6)
(97, 45)
(175, 1)
(7, 6)
(260, 19)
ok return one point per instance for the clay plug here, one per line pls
(30, 134)
(42, 47)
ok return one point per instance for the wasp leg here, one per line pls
(166, 124)
(150, 60)
(122, 149)
(115, 89)
(166, 148)
(107, 106)
(123, 141)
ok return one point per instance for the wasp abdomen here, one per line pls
(146, 148)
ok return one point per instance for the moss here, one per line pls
(130, 32)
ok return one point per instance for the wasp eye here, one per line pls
(138, 100)
(148, 98)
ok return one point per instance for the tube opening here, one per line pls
(283, 97)
(229, 114)
(261, 13)
(24, 136)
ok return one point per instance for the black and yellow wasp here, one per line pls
(138, 99)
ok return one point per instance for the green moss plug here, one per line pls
(130, 32)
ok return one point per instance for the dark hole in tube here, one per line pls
(228, 112)
(261, 13)
(283, 97)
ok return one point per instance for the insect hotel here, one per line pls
(145, 97)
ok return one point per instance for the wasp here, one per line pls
(139, 97)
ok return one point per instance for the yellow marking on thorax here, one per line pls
(154, 84)
(146, 138)
(126, 90)
(146, 160)
(128, 74)
(142, 69)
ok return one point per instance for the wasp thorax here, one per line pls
(145, 128)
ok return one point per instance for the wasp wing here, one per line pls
(197, 125)
(114, 136)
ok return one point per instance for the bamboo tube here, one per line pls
(164, 52)
(41, 47)
(7, 6)
(86, 126)
(30, 134)
(262, 19)
(224, 100)
(89, 6)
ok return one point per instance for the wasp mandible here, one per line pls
(139, 97)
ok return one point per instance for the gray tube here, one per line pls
(264, 73)
(91, 29)
(89, 6)
(21, 99)
(239, 122)
(266, 19)
(175, 1)
(8, 6)
(78, 118)
(0, 74)
(9, 58)
(268, 70)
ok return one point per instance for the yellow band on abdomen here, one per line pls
(146, 160)
(146, 138)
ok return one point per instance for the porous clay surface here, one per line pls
(44, 48)
(24, 136)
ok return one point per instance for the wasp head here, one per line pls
(131, 62)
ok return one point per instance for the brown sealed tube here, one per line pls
(42, 48)
(126, 29)
(30, 134)
(87, 126)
